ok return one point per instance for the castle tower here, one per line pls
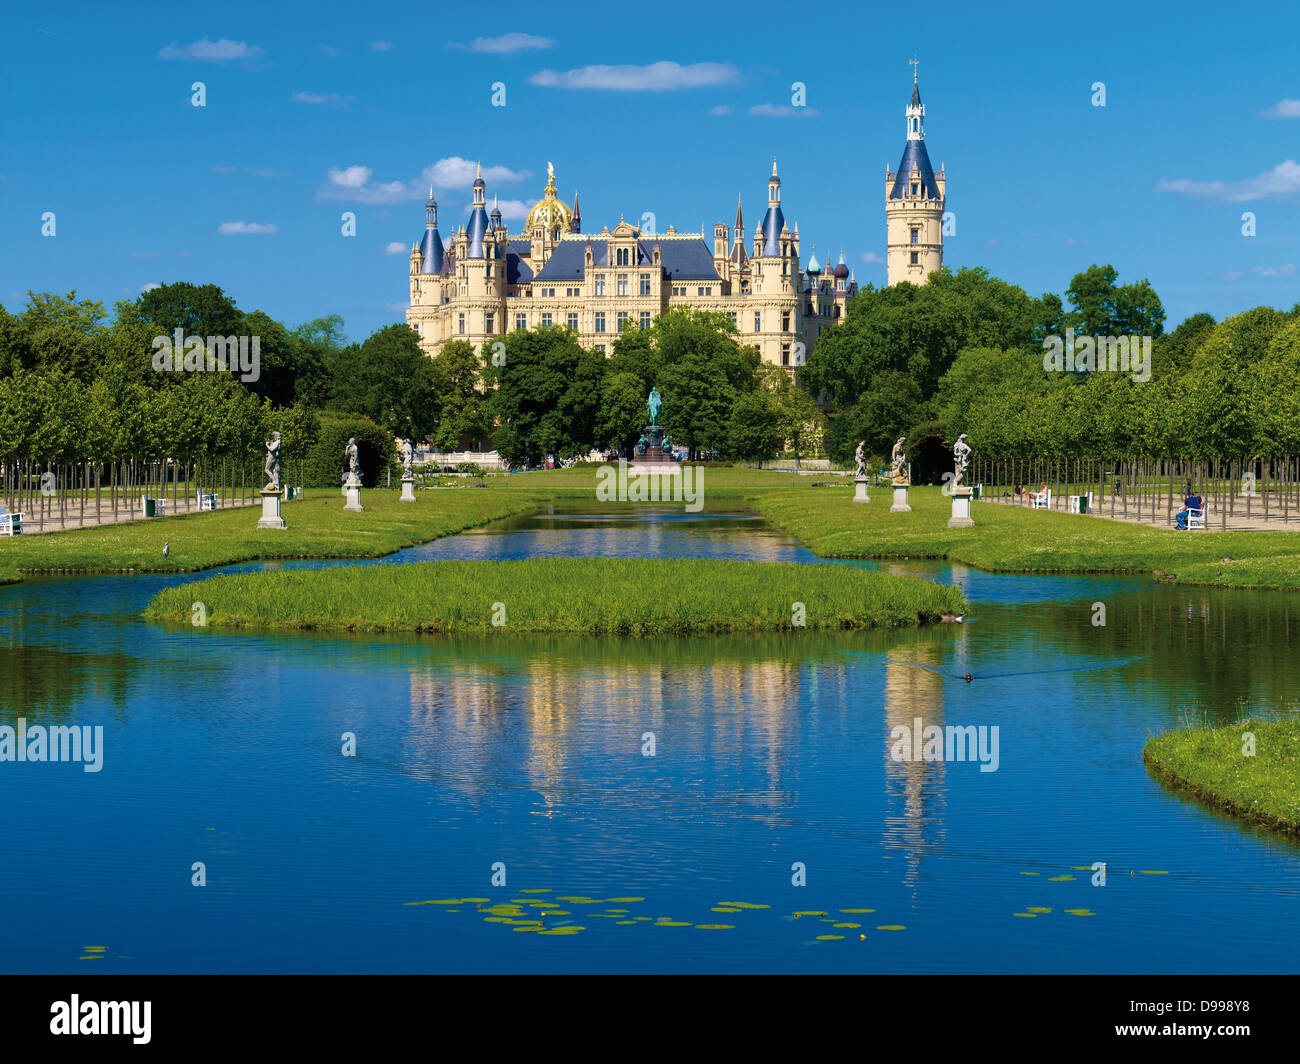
(914, 202)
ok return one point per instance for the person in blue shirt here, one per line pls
(1191, 502)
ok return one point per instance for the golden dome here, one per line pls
(550, 212)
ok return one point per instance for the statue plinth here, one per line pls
(408, 489)
(900, 498)
(961, 508)
(860, 491)
(271, 509)
(654, 454)
(352, 490)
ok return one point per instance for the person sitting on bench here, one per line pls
(1190, 503)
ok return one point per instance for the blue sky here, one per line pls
(316, 110)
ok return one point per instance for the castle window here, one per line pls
(785, 321)
(915, 189)
(734, 323)
(916, 257)
(758, 321)
(622, 284)
(572, 292)
(600, 285)
(573, 322)
(546, 320)
(645, 319)
(600, 348)
(622, 317)
(600, 321)
(645, 284)
(491, 322)
(621, 258)
(462, 323)
(785, 354)
(916, 235)
(744, 288)
(521, 321)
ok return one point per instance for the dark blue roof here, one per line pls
(477, 230)
(521, 247)
(773, 223)
(431, 252)
(682, 259)
(517, 271)
(915, 156)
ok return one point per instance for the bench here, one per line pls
(1041, 500)
(11, 524)
(207, 500)
(1196, 519)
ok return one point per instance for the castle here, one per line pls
(486, 281)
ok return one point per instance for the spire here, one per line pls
(740, 219)
(814, 266)
(479, 187)
(431, 211)
(575, 222)
(915, 110)
(773, 188)
(496, 212)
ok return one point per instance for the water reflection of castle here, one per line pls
(551, 718)
(915, 790)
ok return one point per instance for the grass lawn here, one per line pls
(318, 528)
(1210, 763)
(592, 596)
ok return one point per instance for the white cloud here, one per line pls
(320, 97)
(330, 51)
(1282, 109)
(1279, 183)
(381, 46)
(221, 168)
(1231, 275)
(721, 109)
(506, 44)
(871, 256)
(216, 51)
(654, 77)
(396, 307)
(397, 248)
(269, 173)
(354, 182)
(245, 228)
(146, 254)
(767, 110)
(150, 286)
(1286, 270)
(512, 210)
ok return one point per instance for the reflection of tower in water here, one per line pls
(914, 790)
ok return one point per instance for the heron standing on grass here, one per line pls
(167, 547)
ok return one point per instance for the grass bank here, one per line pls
(1015, 539)
(318, 528)
(591, 596)
(1210, 763)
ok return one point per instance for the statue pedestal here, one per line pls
(654, 454)
(271, 510)
(960, 509)
(860, 490)
(900, 500)
(408, 490)
(352, 489)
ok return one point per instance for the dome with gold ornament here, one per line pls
(550, 212)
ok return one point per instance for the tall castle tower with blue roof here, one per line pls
(914, 202)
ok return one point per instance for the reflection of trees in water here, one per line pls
(49, 683)
(914, 790)
(1212, 654)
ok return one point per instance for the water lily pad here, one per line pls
(829, 938)
(479, 901)
(1080, 912)
(1061, 879)
(848, 925)
(570, 930)
(891, 927)
(435, 901)
(533, 927)
(1036, 909)
(1141, 872)
(722, 909)
(92, 957)
(672, 923)
(622, 900)
(498, 920)
(1029, 873)
(743, 905)
(555, 912)
(857, 910)
(715, 927)
(810, 912)
(1030, 915)
(535, 890)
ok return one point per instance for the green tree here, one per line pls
(622, 411)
